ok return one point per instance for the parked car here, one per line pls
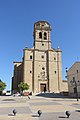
(8, 92)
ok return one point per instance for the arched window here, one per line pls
(30, 57)
(40, 34)
(45, 36)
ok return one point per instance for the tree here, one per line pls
(2, 86)
(23, 86)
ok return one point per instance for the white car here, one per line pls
(8, 92)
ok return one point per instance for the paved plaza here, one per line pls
(52, 108)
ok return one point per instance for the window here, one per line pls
(45, 36)
(40, 34)
(43, 68)
(42, 44)
(38, 76)
(42, 25)
(30, 71)
(42, 56)
(55, 72)
(30, 57)
(54, 58)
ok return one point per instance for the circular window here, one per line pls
(43, 68)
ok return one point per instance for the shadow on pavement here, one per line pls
(8, 100)
(10, 115)
(77, 110)
(35, 116)
(52, 95)
(62, 117)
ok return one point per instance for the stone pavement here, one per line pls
(52, 108)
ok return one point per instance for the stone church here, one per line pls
(41, 66)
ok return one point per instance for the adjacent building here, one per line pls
(41, 66)
(73, 78)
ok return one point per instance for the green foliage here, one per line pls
(23, 86)
(2, 86)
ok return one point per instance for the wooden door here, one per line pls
(43, 87)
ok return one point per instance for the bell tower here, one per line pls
(42, 39)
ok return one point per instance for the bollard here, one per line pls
(68, 114)
(39, 112)
(14, 112)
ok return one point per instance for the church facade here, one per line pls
(41, 66)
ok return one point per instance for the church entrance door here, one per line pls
(43, 87)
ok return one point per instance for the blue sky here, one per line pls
(17, 18)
